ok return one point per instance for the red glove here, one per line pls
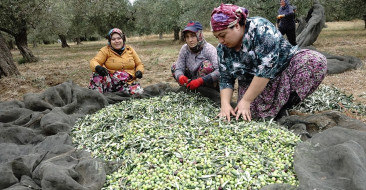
(195, 83)
(183, 80)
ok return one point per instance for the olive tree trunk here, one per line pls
(22, 43)
(7, 66)
(176, 33)
(78, 41)
(63, 41)
(10, 44)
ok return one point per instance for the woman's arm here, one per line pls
(291, 15)
(226, 110)
(226, 81)
(211, 55)
(99, 59)
(255, 88)
(180, 65)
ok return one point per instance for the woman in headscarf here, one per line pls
(116, 66)
(272, 74)
(197, 60)
(286, 21)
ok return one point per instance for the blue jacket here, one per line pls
(289, 20)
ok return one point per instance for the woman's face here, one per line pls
(282, 3)
(191, 39)
(230, 37)
(116, 41)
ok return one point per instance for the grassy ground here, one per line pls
(58, 64)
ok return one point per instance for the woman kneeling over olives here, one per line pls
(116, 66)
(197, 60)
(272, 74)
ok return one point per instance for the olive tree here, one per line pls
(55, 23)
(143, 17)
(79, 25)
(7, 66)
(158, 16)
(104, 15)
(67, 20)
(16, 17)
(343, 9)
(198, 11)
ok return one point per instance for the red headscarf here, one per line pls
(226, 16)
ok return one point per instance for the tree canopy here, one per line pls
(16, 17)
(47, 20)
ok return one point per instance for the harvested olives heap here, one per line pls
(330, 98)
(175, 141)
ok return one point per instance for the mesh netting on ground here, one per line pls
(36, 149)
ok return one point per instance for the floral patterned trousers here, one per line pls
(303, 75)
(116, 82)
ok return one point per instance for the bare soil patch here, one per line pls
(346, 39)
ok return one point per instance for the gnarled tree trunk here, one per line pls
(313, 27)
(78, 41)
(176, 33)
(10, 44)
(35, 44)
(63, 41)
(7, 66)
(22, 44)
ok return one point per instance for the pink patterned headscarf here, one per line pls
(226, 16)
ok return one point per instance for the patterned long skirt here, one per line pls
(114, 83)
(304, 74)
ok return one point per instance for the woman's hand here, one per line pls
(255, 88)
(102, 71)
(194, 84)
(138, 74)
(226, 111)
(280, 16)
(183, 80)
(243, 108)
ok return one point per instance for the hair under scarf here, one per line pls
(226, 16)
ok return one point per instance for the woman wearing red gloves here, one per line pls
(116, 66)
(197, 60)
